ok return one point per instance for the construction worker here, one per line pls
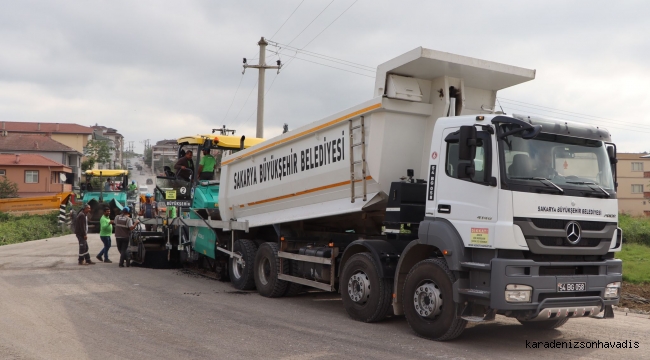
(105, 232)
(206, 166)
(81, 230)
(185, 166)
(123, 227)
(149, 210)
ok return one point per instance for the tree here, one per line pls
(88, 164)
(147, 156)
(8, 188)
(99, 151)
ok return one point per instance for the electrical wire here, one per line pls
(333, 67)
(510, 103)
(233, 98)
(324, 57)
(600, 124)
(553, 110)
(348, 8)
(364, 68)
(294, 11)
(308, 25)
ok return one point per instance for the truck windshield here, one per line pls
(557, 164)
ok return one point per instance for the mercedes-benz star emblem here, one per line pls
(573, 232)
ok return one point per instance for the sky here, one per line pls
(165, 69)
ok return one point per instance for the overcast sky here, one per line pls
(165, 69)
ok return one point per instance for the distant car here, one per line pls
(149, 181)
(144, 189)
(129, 167)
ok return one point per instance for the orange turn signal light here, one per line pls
(331, 244)
(446, 252)
(281, 238)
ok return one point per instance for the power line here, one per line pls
(341, 62)
(247, 97)
(308, 25)
(348, 8)
(294, 11)
(333, 67)
(607, 126)
(311, 53)
(233, 98)
(573, 114)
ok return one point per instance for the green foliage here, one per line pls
(636, 263)
(88, 164)
(147, 156)
(99, 151)
(18, 229)
(8, 188)
(636, 230)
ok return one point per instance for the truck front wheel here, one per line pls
(365, 295)
(241, 271)
(267, 265)
(429, 303)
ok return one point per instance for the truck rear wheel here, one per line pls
(365, 295)
(241, 272)
(544, 325)
(429, 302)
(267, 264)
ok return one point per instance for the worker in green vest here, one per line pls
(206, 166)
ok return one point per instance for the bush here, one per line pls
(17, 229)
(636, 230)
(8, 188)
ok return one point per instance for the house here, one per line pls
(35, 174)
(164, 153)
(73, 136)
(43, 145)
(117, 140)
(633, 193)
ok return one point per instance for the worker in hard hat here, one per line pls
(123, 227)
(149, 210)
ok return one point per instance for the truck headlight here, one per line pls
(518, 293)
(613, 290)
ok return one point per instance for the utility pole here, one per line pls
(260, 84)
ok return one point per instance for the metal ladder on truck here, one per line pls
(362, 162)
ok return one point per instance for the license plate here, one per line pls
(571, 286)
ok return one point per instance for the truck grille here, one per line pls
(561, 224)
(561, 241)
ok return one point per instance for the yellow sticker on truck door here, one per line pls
(479, 237)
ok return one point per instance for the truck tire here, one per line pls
(428, 301)
(544, 325)
(365, 295)
(267, 264)
(241, 274)
(293, 289)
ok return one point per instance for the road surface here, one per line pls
(52, 308)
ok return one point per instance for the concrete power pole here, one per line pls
(260, 84)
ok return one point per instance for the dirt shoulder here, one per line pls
(636, 298)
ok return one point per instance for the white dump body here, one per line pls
(305, 173)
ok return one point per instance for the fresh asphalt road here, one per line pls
(52, 308)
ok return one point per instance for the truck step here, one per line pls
(316, 284)
(476, 266)
(475, 292)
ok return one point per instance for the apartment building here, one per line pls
(633, 184)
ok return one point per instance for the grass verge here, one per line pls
(636, 263)
(18, 229)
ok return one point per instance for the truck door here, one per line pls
(470, 204)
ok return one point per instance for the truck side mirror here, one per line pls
(466, 171)
(611, 152)
(467, 143)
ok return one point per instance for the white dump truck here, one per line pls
(427, 202)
